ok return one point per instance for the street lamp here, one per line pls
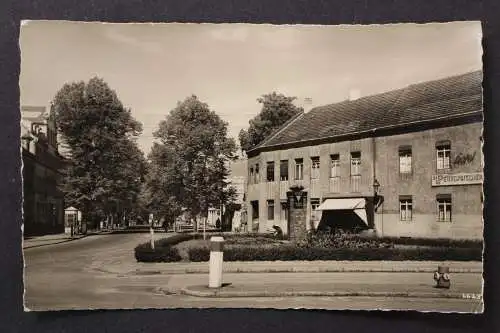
(376, 186)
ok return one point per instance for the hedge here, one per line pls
(164, 250)
(166, 254)
(438, 242)
(289, 253)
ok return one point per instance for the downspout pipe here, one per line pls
(374, 152)
(380, 199)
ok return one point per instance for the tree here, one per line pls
(190, 163)
(105, 166)
(158, 194)
(277, 109)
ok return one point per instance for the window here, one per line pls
(335, 165)
(405, 160)
(314, 167)
(270, 209)
(256, 180)
(270, 171)
(355, 163)
(284, 211)
(299, 169)
(405, 208)
(443, 150)
(255, 210)
(251, 176)
(284, 170)
(355, 171)
(315, 215)
(444, 207)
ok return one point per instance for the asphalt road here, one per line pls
(64, 276)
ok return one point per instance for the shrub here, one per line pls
(290, 252)
(199, 254)
(164, 254)
(164, 250)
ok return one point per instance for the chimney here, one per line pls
(354, 94)
(307, 105)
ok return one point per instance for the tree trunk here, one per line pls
(205, 227)
(195, 224)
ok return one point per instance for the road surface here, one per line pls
(64, 276)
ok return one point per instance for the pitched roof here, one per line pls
(33, 113)
(422, 102)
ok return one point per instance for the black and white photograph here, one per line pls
(230, 165)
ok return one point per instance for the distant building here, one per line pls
(237, 178)
(403, 163)
(43, 205)
(231, 218)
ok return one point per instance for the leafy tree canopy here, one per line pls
(105, 168)
(276, 110)
(189, 164)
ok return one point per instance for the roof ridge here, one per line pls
(405, 88)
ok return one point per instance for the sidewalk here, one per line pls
(38, 241)
(382, 284)
(139, 268)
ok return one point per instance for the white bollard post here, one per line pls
(216, 260)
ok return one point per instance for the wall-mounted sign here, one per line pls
(464, 159)
(457, 179)
(299, 199)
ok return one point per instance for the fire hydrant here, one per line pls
(442, 277)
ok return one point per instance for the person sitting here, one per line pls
(278, 233)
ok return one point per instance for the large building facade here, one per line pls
(43, 202)
(403, 163)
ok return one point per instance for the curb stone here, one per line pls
(55, 243)
(303, 270)
(280, 270)
(225, 293)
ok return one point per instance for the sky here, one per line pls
(228, 66)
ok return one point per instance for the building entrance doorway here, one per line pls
(349, 214)
(346, 220)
